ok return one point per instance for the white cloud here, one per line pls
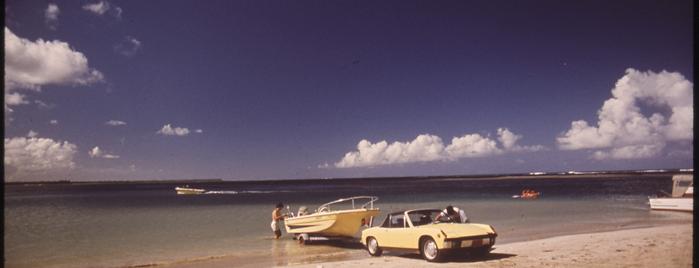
(199, 131)
(32, 154)
(115, 123)
(53, 122)
(117, 12)
(427, 148)
(30, 65)
(98, 8)
(43, 105)
(103, 7)
(630, 152)
(623, 131)
(97, 152)
(507, 138)
(51, 16)
(170, 131)
(509, 142)
(472, 145)
(129, 46)
(12, 99)
(94, 152)
(32, 134)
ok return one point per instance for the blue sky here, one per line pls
(308, 89)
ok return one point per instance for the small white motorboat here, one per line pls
(682, 197)
(188, 190)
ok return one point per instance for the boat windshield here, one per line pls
(354, 202)
(423, 217)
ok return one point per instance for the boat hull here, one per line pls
(675, 204)
(343, 223)
(181, 190)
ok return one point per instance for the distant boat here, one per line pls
(327, 221)
(187, 190)
(528, 194)
(682, 197)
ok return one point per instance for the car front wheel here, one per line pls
(373, 247)
(429, 250)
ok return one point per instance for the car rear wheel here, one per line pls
(429, 250)
(373, 247)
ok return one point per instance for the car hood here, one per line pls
(461, 229)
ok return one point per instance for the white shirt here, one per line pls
(462, 214)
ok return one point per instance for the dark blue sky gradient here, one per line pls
(280, 87)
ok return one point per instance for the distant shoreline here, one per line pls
(533, 175)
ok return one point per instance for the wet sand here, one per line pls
(659, 246)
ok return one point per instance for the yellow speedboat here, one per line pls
(340, 218)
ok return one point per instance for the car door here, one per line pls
(397, 234)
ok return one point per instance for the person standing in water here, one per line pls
(277, 218)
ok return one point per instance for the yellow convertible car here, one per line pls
(417, 230)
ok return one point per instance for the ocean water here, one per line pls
(133, 224)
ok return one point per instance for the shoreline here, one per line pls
(640, 246)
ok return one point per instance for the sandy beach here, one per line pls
(659, 246)
(663, 246)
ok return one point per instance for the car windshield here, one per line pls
(422, 217)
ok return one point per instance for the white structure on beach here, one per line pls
(682, 197)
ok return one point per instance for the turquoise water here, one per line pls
(116, 225)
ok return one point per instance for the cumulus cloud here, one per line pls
(51, 16)
(115, 123)
(128, 47)
(32, 134)
(168, 130)
(96, 152)
(509, 142)
(624, 131)
(427, 148)
(472, 145)
(33, 154)
(30, 65)
(53, 122)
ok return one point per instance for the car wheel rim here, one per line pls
(430, 249)
(373, 246)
